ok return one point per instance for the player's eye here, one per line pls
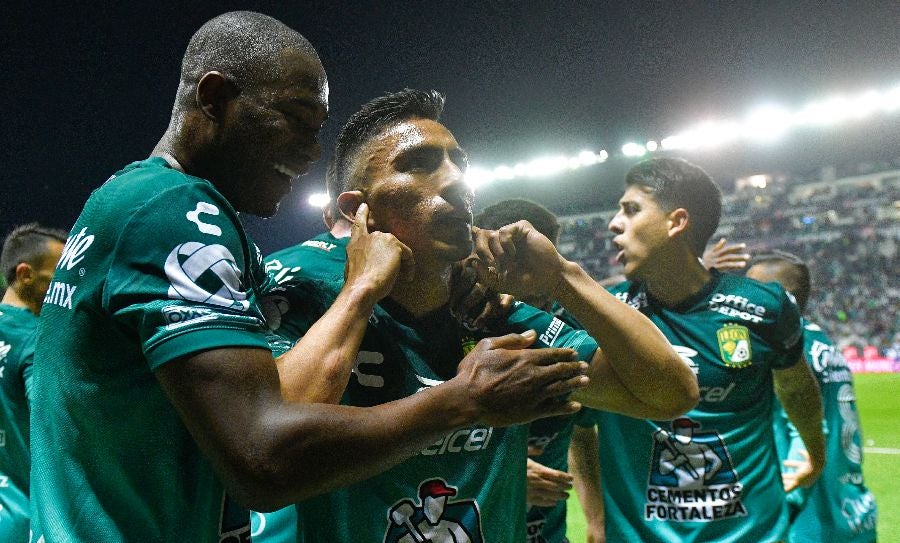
(419, 160)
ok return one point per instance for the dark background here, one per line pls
(87, 89)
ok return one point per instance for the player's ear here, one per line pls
(679, 219)
(24, 273)
(214, 92)
(348, 202)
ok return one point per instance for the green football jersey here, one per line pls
(157, 267)
(552, 436)
(469, 484)
(322, 257)
(17, 331)
(712, 475)
(838, 507)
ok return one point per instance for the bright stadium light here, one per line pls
(476, 177)
(767, 123)
(762, 124)
(319, 199)
(633, 149)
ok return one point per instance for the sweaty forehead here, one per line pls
(303, 74)
(413, 133)
(637, 193)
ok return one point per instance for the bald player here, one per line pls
(159, 412)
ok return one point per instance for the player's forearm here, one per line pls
(320, 448)
(640, 355)
(799, 393)
(317, 368)
(584, 465)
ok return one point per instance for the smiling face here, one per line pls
(641, 229)
(412, 176)
(269, 137)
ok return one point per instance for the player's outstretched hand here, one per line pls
(510, 384)
(801, 473)
(472, 302)
(546, 486)
(375, 260)
(518, 260)
(726, 256)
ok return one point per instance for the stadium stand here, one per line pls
(847, 228)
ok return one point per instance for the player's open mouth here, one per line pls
(620, 256)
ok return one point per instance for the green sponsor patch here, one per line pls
(734, 345)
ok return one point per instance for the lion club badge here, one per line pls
(734, 345)
(435, 518)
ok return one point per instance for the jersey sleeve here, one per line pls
(552, 332)
(292, 307)
(785, 335)
(181, 275)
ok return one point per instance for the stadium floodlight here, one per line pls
(652, 146)
(319, 199)
(547, 166)
(476, 177)
(632, 149)
(767, 123)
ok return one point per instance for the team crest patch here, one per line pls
(435, 518)
(734, 345)
(468, 343)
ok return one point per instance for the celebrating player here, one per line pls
(154, 387)
(401, 171)
(711, 475)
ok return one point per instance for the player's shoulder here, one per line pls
(630, 292)
(743, 291)
(16, 322)
(153, 184)
(812, 330)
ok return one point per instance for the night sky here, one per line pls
(86, 91)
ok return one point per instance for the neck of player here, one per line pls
(428, 290)
(676, 278)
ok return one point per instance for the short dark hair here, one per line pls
(516, 209)
(793, 273)
(372, 119)
(676, 183)
(242, 45)
(28, 244)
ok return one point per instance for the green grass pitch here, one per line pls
(878, 398)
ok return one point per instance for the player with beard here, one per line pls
(399, 170)
(29, 256)
(154, 388)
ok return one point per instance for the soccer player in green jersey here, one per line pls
(838, 506)
(711, 475)
(394, 158)
(29, 256)
(154, 389)
(548, 439)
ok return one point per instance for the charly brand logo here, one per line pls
(435, 518)
(206, 274)
(206, 228)
(74, 249)
(4, 350)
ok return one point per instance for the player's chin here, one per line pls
(455, 250)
